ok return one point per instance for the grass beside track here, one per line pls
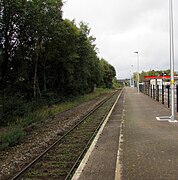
(14, 133)
(58, 161)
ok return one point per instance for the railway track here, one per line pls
(61, 159)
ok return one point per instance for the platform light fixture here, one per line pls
(132, 76)
(172, 83)
(138, 79)
(171, 32)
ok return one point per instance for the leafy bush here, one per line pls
(13, 137)
(17, 128)
(13, 107)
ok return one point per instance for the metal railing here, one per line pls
(160, 93)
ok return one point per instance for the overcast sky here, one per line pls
(122, 27)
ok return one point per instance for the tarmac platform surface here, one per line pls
(147, 148)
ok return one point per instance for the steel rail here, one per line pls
(88, 143)
(61, 138)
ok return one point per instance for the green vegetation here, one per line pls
(13, 134)
(116, 84)
(11, 137)
(151, 73)
(154, 73)
(44, 60)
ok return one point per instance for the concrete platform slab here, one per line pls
(101, 161)
(149, 147)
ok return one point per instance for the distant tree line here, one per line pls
(43, 56)
(151, 73)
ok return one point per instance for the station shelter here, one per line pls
(157, 80)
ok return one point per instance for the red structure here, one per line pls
(157, 77)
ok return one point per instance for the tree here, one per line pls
(42, 55)
(108, 72)
(42, 18)
(11, 16)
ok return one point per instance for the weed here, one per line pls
(31, 119)
(12, 137)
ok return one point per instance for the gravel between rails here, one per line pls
(15, 158)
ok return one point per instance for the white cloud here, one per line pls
(124, 26)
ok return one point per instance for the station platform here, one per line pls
(132, 143)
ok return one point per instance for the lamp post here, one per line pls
(172, 117)
(138, 79)
(132, 76)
